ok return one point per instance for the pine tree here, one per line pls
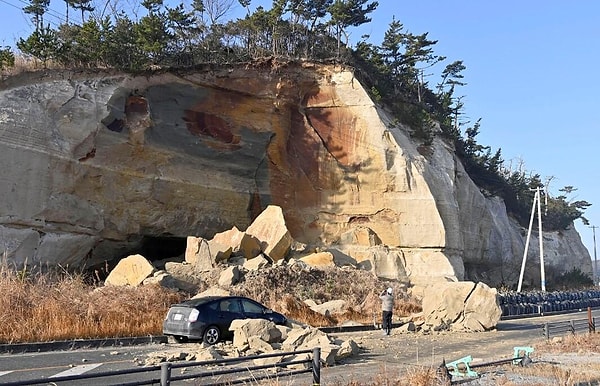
(7, 58)
(349, 13)
(37, 8)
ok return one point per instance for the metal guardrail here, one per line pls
(312, 365)
(523, 304)
(570, 326)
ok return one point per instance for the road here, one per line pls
(380, 354)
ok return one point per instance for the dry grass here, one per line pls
(27, 64)
(55, 307)
(575, 364)
(359, 288)
(581, 343)
(548, 374)
(414, 376)
(47, 307)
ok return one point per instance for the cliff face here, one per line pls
(96, 163)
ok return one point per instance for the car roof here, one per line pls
(207, 299)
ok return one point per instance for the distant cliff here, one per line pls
(95, 164)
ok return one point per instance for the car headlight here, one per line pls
(193, 315)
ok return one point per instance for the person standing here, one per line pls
(387, 307)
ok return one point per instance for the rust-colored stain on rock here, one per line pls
(136, 105)
(200, 123)
(337, 129)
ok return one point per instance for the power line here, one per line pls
(61, 17)
(12, 5)
(49, 11)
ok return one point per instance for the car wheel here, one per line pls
(212, 335)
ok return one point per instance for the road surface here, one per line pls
(379, 355)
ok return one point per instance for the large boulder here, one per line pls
(348, 348)
(185, 274)
(131, 270)
(229, 276)
(461, 306)
(319, 259)
(197, 253)
(270, 229)
(231, 238)
(205, 254)
(297, 337)
(383, 261)
(250, 246)
(245, 329)
(256, 263)
(331, 307)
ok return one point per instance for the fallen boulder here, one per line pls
(230, 238)
(244, 329)
(461, 306)
(131, 270)
(319, 259)
(270, 229)
(229, 276)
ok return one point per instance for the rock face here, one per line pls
(97, 163)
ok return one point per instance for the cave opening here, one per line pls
(158, 248)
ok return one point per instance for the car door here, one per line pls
(253, 310)
(228, 310)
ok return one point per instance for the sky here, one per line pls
(531, 77)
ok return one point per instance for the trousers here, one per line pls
(387, 321)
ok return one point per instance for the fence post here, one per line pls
(165, 374)
(547, 330)
(316, 366)
(591, 326)
(572, 326)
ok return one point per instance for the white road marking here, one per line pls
(77, 370)
(4, 373)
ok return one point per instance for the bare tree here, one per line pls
(217, 9)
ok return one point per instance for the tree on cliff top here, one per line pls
(349, 13)
(7, 58)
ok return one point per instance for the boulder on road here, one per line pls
(461, 306)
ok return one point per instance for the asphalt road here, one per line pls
(389, 355)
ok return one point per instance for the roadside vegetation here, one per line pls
(61, 306)
(42, 307)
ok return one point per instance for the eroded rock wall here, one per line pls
(93, 162)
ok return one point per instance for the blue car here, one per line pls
(209, 318)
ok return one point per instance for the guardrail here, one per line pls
(570, 326)
(312, 364)
(518, 304)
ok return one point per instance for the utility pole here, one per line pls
(595, 269)
(536, 202)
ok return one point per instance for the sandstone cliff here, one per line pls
(96, 164)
